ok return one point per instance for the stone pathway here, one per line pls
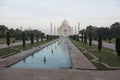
(79, 61)
(57, 74)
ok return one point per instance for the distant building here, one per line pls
(65, 29)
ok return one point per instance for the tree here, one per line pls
(18, 34)
(93, 30)
(82, 38)
(77, 37)
(82, 32)
(8, 38)
(37, 38)
(90, 39)
(24, 38)
(117, 46)
(12, 32)
(42, 36)
(32, 39)
(3, 28)
(47, 37)
(105, 32)
(85, 38)
(99, 42)
(115, 28)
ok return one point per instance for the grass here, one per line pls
(108, 56)
(3, 40)
(98, 66)
(5, 52)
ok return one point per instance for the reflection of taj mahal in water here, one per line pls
(65, 29)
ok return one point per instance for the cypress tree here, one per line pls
(47, 37)
(32, 39)
(99, 42)
(90, 39)
(85, 38)
(8, 38)
(77, 37)
(37, 38)
(41, 36)
(117, 46)
(82, 38)
(23, 34)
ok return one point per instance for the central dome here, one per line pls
(65, 23)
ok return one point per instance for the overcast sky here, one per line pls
(38, 14)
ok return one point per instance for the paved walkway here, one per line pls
(57, 74)
(106, 45)
(79, 61)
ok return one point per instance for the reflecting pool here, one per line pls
(54, 56)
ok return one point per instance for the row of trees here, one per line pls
(32, 38)
(106, 32)
(84, 39)
(17, 33)
(99, 34)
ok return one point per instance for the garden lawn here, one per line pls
(5, 52)
(108, 56)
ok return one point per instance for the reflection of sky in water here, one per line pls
(58, 59)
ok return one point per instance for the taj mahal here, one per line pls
(65, 29)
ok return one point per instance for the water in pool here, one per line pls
(55, 56)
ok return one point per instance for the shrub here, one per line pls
(8, 38)
(85, 38)
(90, 39)
(82, 38)
(117, 46)
(32, 38)
(23, 34)
(99, 42)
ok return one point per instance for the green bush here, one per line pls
(90, 39)
(85, 38)
(32, 39)
(8, 38)
(117, 46)
(99, 42)
(23, 34)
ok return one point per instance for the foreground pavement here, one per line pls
(57, 74)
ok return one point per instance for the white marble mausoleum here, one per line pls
(65, 29)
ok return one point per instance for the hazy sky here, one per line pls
(38, 14)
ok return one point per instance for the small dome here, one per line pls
(65, 23)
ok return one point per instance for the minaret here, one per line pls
(78, 27)
(58, 31)
(54, 30)
(72, 31)
(51, 29)
(75, 30)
